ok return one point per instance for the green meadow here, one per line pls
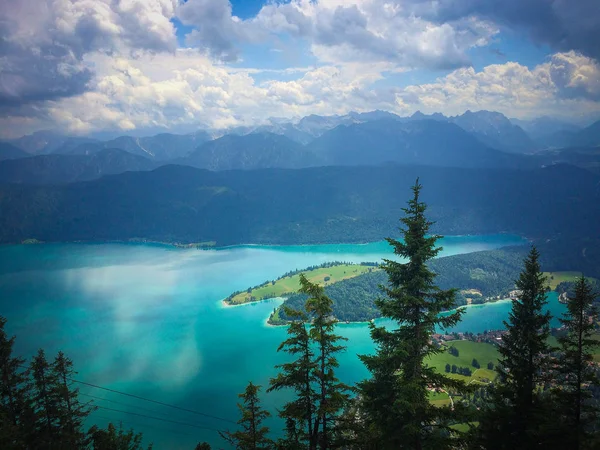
(323, 276)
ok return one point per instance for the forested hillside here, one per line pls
(325, 204)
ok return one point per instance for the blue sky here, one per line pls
(84, 67)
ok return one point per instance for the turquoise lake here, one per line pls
(148, 320)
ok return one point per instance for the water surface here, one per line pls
(148, 320)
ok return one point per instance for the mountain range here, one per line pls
(480, 139)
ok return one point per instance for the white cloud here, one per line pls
(187, 90)
(339, 31)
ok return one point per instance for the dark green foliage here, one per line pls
(353, 204)
(253, 434)
(14, 405)
(395, 399)
(448, 368)
(491, 272)
(332, 394)
(513, 420)
(299, 376)
(575, 412)
(453, 350)
(44, 399)
(313, 417)
(113, 438)
(203, 446)
(475, 364)
(490, 365)
(71, 412)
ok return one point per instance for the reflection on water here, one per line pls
(148, 320)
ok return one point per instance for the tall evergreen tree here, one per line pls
(332, 394)
(517, 409)
(253, 435)
(395, 400)
(13, 394)
(299, 376)
(575, 412)
(45, 401)
(71, 412)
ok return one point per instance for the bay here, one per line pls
(148, 320)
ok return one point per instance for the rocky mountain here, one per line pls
(423, 142)
(46, 142)
(251, 151)
(161, 147)
(495, 131)
(52, 169)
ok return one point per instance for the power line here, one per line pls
(158, 418)
(122, 404)
(138, 424)
(153, 401)
(146, 399)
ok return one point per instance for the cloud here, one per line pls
(564, 25)
(43, 42)
(359, 31)
(185, 90)
(565, 85)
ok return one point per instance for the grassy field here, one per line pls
(467, 350)
(291, 284)
(555, 278)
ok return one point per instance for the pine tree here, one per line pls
(395, 399)
(514, 417)
(45, 400)
(253, 435)
(71, 412)
(13, 395)
(332, 394)
(574, 411)
(113, 438)
(299, 376)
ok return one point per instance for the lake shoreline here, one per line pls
(212, 245)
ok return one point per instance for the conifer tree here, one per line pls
(514, 417)
(332, 394)
(71, 412)
(574, 411)
(395, 399)
(45, 400)
(253, 435)
(13, 395)
(299, 376)
(113, 438)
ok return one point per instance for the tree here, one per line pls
(203, 446)
(575, 412)
(45, 401)
(13, 394)
(448, 368)
(332, 394)
(513, 418)
(253, 435)
(71, 412)
(396, 397)
(298, 375)
(475, 363)
(114, 438)
(490, 365)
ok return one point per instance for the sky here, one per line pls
(138, 66)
